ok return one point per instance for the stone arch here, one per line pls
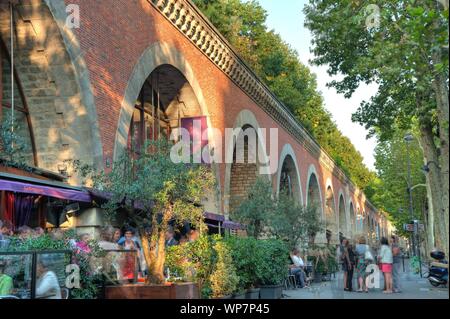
(313, 190)
(244, 119)
(343, 227)
(56, 85)
(288, 160)
(330, 213)
(155, 56)
(352, 217)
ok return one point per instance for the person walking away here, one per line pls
(396, 266)
(361, 264)
(386, 260)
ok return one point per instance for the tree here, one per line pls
(404, 50)
(153, 191)
(13, 146)
(292, 222)
(391, 186)
(257, 208)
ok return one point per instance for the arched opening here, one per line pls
(14, 115)
(244, 169)
(165, 102)
(342, 218)
(330, 216)
(313, 199)
(352, 219)
(289, 182)
(359, 222)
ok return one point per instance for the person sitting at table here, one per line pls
(170, 238)
(6, 282)
(47, 286)
(296, 268)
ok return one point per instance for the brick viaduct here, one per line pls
(79, 87)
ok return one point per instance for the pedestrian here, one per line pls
(342, 259)
(364, 258)
(386, 259)
(349, 262)
(397, 263)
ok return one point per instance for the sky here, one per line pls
(286, 18)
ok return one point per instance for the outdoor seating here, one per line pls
(290, 282)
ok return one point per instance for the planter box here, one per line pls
(239, 296)
(142, 291)
(271, 292)
(252, 294)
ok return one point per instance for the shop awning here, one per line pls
(56, 192)
(215, 217)
(232, 225)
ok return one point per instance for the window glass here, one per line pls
(15, 275)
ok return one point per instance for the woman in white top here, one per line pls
(386, 259)
(47, 286)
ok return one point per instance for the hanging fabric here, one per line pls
(8, 214)
(23, 207)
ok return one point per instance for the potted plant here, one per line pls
(223, 279)
(244, 254)
(324, 262)
(153, 190)
(272, 267)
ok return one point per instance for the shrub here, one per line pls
(244, 252)
(206, 261)
(272, 261)
(224, 279)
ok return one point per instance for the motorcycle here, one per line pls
(438, 272)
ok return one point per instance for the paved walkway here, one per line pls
(414, 287)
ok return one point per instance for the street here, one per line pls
(414, 287)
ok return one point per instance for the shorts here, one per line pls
(386, 267)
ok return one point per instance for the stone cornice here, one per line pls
(188, 19)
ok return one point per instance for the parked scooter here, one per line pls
(438, 272)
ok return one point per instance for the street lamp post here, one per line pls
(408, 139)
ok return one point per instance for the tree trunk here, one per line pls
(157, 247)
(441, 91)
(435, 182)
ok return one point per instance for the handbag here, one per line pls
(368, 254)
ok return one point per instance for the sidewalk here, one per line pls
(413, 286)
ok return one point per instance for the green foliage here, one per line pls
(294, 223)
(193, 262)
(206, 261)
(224, 279)
(323, 259)
(257, 208)
(13, 146)
(90, 280)
(415, 264)
(278, 65)
(272, 265)
(245, 255)
(164, 190)
(390, 189)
